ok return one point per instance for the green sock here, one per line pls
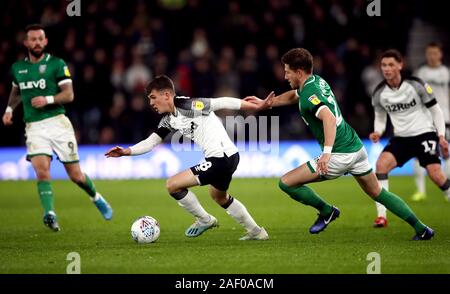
(398, 207)
(307, 196)
(88, 186)
(46, 195)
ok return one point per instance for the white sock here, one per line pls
(381, 210)
(447, 193)
(238, 211)
(447, 167)
(96, 197)
(190, 204)
(419, 176)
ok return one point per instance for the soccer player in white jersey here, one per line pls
(419, 126)
(195, 119)
(437, 75)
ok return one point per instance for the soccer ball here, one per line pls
(145, 230)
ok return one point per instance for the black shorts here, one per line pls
(425, 147)
(217, 171)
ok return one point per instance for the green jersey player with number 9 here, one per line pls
(42, 83)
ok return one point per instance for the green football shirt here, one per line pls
(40, 79)
(315, 94)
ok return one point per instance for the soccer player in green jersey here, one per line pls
(342, 150)
(43, 84)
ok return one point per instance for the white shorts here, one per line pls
(52, 134)
(356, 163)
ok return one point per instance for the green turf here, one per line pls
(26, 246)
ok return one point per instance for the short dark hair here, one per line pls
(435, 45)
(160, 83)
(394, 53)
(33, 27)
(298, 58)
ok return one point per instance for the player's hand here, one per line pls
(322, 163)
(268, 102)
(375, 137)
(7, 119)
(118, 152)
(444, 146)
(38, 102)
(261, 104)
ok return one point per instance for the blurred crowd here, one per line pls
(209, 48)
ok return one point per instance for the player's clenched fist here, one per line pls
(375, 137)
(7, 119)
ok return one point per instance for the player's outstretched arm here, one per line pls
(118, 152)
(254, 103)
(287, 98)
(63, 97)
(13, 101)
(237, 104)
(142, 147)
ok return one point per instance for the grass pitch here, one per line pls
(26, 246)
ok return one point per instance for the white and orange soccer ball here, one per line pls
(145, 229)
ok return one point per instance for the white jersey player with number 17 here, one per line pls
(437, 75)
(419, 127)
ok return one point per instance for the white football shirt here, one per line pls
(406, 106)
(195, 119)
(438, 78)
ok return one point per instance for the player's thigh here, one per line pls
(436, 173)
(300, 176)
(182, 180)
(369, 183)
(386, 162)
(37, 141)
(63, 139)
(338, 165)
(360, 165)
(41, 165)
(73, 169)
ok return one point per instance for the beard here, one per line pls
(36, 52)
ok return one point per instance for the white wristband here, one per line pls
(9, 109)
(50, 99)
(327, 149)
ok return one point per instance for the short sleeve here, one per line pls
(193, 106)
(424, 91)
(13, 77)
(62, 73)
(312, 101)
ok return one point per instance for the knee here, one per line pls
(436, 175)
(282, 185)
(374, 192)
(43, 174)
(171, 186)
(221, 199)
(77, 178)
(381, 168)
